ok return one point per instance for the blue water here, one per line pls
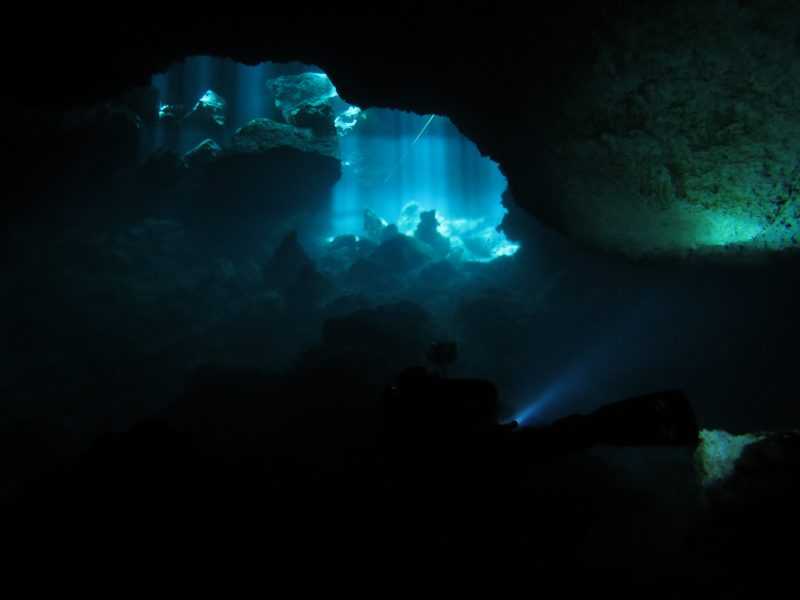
(442, 170)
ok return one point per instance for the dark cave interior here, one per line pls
(371, 283)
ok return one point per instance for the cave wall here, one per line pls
(683, 137)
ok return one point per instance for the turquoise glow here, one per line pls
(389, 158)
(725, 229)
(424, 161)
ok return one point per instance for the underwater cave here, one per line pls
(393, 293)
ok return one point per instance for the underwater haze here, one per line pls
(246, 217)
(238, 305)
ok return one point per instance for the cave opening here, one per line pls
(395, 165)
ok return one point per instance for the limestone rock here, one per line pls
(402, 322)
(209, 111)
(205, 152)
(310, 289)
(347, 120)
(291, 272)
(261, 135)
(717, 454)
(401, 254)
(428, 233)
(164, 168)
(389, 232)
(343, 251)
(171, 114)
(290, 91)
(373, 225)
(315, 116)
(287, 263)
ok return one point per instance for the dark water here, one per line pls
(107, 315)
(169, 350)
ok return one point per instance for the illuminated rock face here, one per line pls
(209, 110)
(684, 136)
(717, 454)
(293, 91)
(261, 135)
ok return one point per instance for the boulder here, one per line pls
(487, 243)
(163, 168)
(209, 111)
(291, 272)
(171, 114)
(205, 152)
(428, 233)
(442, 274)
(347, 120)
(315, 116)
(343, 251)
(409, 218)
(401, 254)
(346, 243)
(389, 232)
(290, 91)
(717, 454)
(260, 135)
(309, 290)
(373, 343)
(751, 493)
(270, 173)
(287, 263)
(373, 225)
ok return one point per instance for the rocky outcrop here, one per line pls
(427, 232)
(316, 116)
(269, 172)
(171, 114)
(344, 250)
(208, 112)
(261, 135)
(292, 91)
(751, 504)
(401, 254)
(374, 226)
(745, 470)
(717, 454)
(204, 153)
(286, 263)
(369, 343)
(164, 168)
